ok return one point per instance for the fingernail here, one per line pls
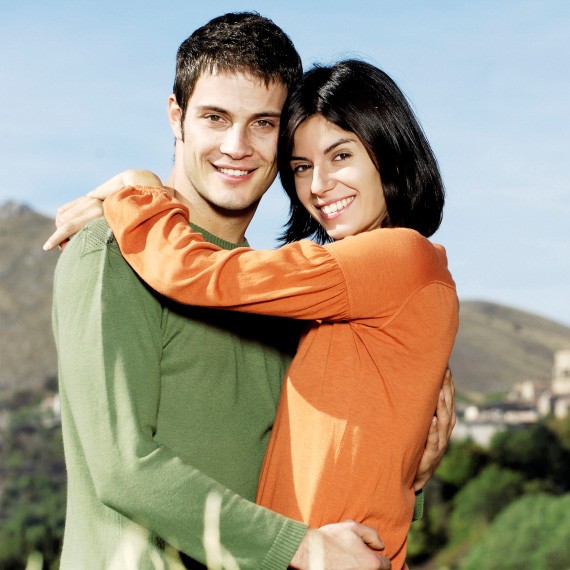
(47, 246)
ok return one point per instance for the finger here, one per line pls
(432, 442)
(369, 536)
(70, 228)
(107, 188)
(451, 380)
(445, 413)
(58, 237)
(62, 211)
(447, 384)
(85, 208)
(449, 391)
(385, 563)
(444, 406)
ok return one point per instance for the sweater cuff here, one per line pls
(418, 506)
(285, 546)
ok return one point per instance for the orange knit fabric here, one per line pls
(360, 394)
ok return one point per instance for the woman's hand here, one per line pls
(73, 216)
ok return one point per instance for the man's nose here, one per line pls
(236, 143)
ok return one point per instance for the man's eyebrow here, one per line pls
(273, 114)
(221, 111)
(211, 109)
(328, 149)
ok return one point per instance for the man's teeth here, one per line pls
(233, 171)
(336, 206)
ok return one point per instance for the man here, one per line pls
(167, 406)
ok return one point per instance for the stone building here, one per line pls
(525, 404)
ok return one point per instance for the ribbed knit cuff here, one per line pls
(419, 506)
(286, 544)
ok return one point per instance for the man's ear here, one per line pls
(175, 118)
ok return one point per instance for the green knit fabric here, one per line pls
(419, 506)
(162, 407)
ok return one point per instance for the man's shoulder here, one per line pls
(97, 235)
(92, 247)
(92, 258)
(94, 237)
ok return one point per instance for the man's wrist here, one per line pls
(285, 545)
(301, 558)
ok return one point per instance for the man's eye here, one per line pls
(264, 123)
(214, 118)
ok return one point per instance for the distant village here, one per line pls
(524, 405)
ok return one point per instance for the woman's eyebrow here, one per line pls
(337, 143)
(328, 149)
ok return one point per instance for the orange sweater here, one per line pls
(360, 394)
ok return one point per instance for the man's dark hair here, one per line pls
(237, 42)
(362, 99)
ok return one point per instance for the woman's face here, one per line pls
(335, 179)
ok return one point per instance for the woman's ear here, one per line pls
(175, 118)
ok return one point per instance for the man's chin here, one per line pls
(236, 208)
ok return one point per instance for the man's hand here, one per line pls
(439, 432)
(341, 546)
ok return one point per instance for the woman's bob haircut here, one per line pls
(362, 99)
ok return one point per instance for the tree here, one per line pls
(533, 533)
(536, 451)
(479, 502)
(32, 505)
(561, 427)
(461, 462)
(429, 534)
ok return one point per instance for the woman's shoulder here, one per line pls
(397, 242)
(402, 252)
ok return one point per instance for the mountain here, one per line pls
(27, 349)
(496, 346)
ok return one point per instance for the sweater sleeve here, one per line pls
(111, 385)
(301, 280)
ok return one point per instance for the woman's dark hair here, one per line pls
(362, 99)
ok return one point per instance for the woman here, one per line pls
(359, 397)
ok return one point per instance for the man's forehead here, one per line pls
(228, 84)
(229, 74)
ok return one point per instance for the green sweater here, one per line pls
(162, 405)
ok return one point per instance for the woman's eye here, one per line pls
(342, 156)
(214, 118)
(301, 168)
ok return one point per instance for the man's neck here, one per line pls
(228, 226)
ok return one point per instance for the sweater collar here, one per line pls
(211, 238)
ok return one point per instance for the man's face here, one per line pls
(229, 134)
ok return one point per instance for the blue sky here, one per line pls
(85, 84)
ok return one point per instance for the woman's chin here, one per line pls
(339, 232)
